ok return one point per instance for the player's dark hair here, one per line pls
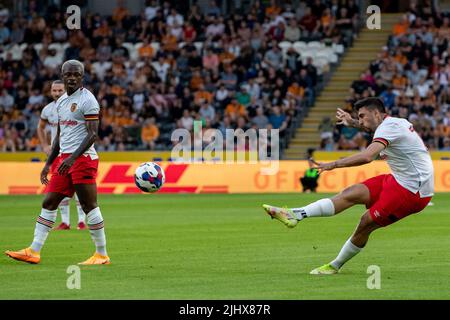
(371, 104)
(57, 82)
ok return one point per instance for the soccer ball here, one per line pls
(149, 177)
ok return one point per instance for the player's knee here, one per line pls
(354, 194)
(88, 207)
(366, 224)
(50, 204)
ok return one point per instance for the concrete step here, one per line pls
(367, 38)
(335, 85)
(318, 109)
(360, 64)
(337, 94)
(364, 50)
(314, 112)
(325, 104)
(335, 89)
(331, 99)
(299, 151)
(306, 143)
(306, 137)
(350, 68)
(306, 130)
(313, 121)
(359, 57)
(368, 45)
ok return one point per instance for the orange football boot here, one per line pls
(25, 255)
(97, 258)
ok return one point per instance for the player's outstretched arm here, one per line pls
(43, 137)
(346, 119)
(51, 157)
(363, 157)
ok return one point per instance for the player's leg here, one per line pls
(81, 215)
(352, 246)
(87, 195)
(64, 209)
(44, 224)
(355, 194)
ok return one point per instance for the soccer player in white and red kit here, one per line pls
(49, 117)
(76, 163)
(388, 197)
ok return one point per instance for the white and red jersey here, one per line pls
(50, 114)
(406, 155)
(73, 112)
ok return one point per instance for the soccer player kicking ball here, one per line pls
(49, 116)
(77, 163)
(388, 197)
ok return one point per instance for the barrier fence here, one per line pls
(117, 177)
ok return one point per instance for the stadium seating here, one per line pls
(137, 89)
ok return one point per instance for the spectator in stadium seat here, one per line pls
(229, 78)
(211, 60)
(234, 110)
(213, 9)
(309, 25)
(273, 57)
(186, 121)
(146, 50)
(326, 128)
(5, 33)
(277, 32)
(17, 33)
(149, 134)
(174, 19)
(215, 29)
(189, 32)
(344, 23)
(119, 12)
(6, 101)
(277, 119)
(207, 112)
(388, 97)
(351, 139)
(243, 97)
(359, 86)
(4, 14)
(260, 121)
(327, 23)
(201, 95)
(151, 9)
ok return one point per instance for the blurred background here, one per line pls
(155, 66)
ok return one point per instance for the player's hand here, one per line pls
(322, 166)
(44, 174)
(47, 150)
(65, 165)
(343, 117)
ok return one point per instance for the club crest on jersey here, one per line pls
(73, 107)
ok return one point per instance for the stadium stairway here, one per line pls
(355, 60)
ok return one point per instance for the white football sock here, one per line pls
(348, 251)
(97, 230)
(320, 208)
(64, 208)
(44, 224)
(81, 214)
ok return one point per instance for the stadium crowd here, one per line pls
(411, 75)
(224, 70)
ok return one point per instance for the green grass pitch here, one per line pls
(224, 247)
